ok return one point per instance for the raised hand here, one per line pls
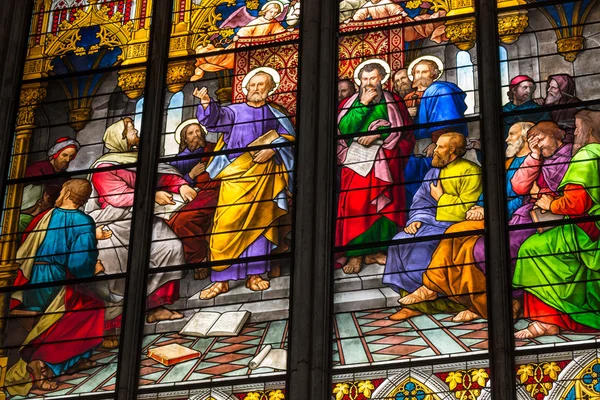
(412, 228)
(534, 146)
(428, 152)
(187, 193)
(436, 191)
(202, 94)
(368, 95)
(412, 111)
(163, 198)
(197, 170)
(103, 234)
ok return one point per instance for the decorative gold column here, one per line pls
(133, 80)
(511, 24)
(31, 97)
(461, 32)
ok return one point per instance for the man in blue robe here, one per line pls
(61, 245)
(439, 103)
(520, 94)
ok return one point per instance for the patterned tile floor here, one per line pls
(367, 337)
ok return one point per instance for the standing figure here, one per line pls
(61, 246)
(432, 102)
(371, 205)
(254, 185)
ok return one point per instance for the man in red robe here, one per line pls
(372, 201)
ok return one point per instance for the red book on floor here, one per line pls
(172, 354)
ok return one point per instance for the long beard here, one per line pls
(513, 148)
(440, 161)
(551, 99)
(378, 89)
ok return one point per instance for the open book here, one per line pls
(269, 357)
(264, 140)
(206, 323)
(538, 216)
(172, 354)
(167, 211)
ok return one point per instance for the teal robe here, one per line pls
(561, 266)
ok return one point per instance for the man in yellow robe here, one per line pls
(448, 190)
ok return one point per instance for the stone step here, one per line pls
(365, 300)
(369, 277)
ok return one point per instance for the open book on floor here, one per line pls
(205, 323)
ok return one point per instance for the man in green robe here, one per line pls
(559, 269)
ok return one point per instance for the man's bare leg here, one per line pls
(42, 375)
(537, 329)
(378, 258)
(353, 265)
(256, 283)
(418, 296)
(466, 316)
(162, 314)
(516, 308)
(403, 314)
(214, 290)
(201, 273)
(111, 341)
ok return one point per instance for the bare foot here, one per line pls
(465, 316)
(201, 273)
(353, 265)
(175, 315)
(83, 364)
(159, 314)
(403, 314)
(378, 258)
(256, 283)
(110, 342)
(537, 329)
(214, 290)
(42, 375)
(418, 296)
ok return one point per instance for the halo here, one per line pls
(184, 124)
(385, 66)
(267, 70)
(274, 2)
(436, 60)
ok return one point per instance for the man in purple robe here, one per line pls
(254, 185)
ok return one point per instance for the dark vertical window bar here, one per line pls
(15, 18)
(501, 341)
(311, 309)
(143, 213)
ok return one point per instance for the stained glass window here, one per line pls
(250, 200)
